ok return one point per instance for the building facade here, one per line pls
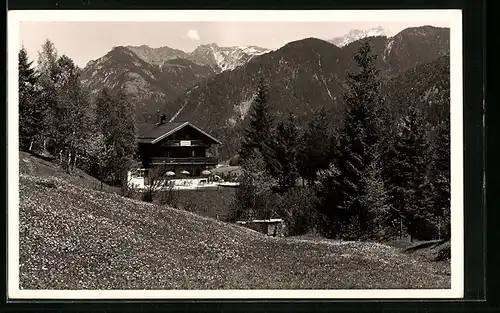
(179, 147)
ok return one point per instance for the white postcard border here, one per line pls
(457, 200)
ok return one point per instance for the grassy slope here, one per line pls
(30, 164)
(73, 237)
(209, 202)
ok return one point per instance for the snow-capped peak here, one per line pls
(356, 34)
(225, 58)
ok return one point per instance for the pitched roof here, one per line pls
(150, 133)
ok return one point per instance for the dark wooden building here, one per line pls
(179, 146)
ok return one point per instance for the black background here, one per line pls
(481, 289)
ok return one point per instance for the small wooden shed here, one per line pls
(271, 227)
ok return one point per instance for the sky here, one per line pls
(83, 41)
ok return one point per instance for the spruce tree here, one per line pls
(382, 223)
(316, 147)
(359, 145)
(30, 118)
(441, 178)
(410, 185)
(286, 153)
(258, 133)
(327, 191)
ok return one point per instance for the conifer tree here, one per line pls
(286, 153)
(30, 118)
(410, 186)
(258, 132)
(382, 223)
(441, 178)
(359, 145)
(327, 191)
(316, 147)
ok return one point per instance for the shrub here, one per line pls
(147, 196)
(254, 196)
(235, 160)
(297, 207)
(47, 183)
(169, 197)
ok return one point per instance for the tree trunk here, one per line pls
(401, 228)
(69, 161)
(439, 227)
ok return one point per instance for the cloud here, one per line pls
(193, 34)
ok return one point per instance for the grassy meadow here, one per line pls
(75, 237)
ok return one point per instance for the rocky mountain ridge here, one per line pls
(218, 58)
(357, 34)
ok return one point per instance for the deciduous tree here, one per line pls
(48, 104)
(254, 196)
(116, 121)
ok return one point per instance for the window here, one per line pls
(140, 173)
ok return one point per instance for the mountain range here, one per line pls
(213, 86)
(154, 76)
(217, 58)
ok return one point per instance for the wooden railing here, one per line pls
(188, 160)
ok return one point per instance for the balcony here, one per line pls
(187, 160)
(184, 143)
